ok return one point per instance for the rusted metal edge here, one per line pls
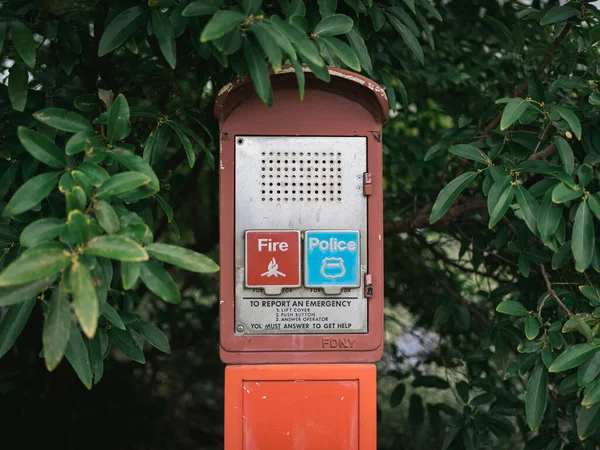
(343, 82)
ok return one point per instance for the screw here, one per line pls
(240, 141)
(359, 188)
(240, 328)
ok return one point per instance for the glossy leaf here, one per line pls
(258, 71)
(153, 335)
(512, 308)
(548, 217)
(571, 119)
(57, 329)
(585, 173)
(558, 13)
(532, 328)
(333, 25)
(24, 43)
(121, 27)
(107, 217)
(42, 230)
(573, 357)
(342, 51)
(85, 299)
(449, 194)
(589, 370)
(529, 207)
(588, 421)
(566, 154)
(164, 33)
(13, 322)
(563, 193)
(127, 344)
(357, 43)
(513, 111)
(158, 280)
(33, 265)
(118, 120)
(121, 183)
(199, 8)
(220, 24)
(116, 247)
(471, 152)
(78, 356)
(504, 201)
(536, 396)
(62, 119)
(182, 257)
(17, 87)
(582, 243)
(111, 315)
(130, 272)
(42, 148)
(408, 38)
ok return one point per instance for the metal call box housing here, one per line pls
(301, 220)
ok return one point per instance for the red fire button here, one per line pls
(273, 258)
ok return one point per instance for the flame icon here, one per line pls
(272, 270)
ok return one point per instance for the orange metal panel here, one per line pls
(303, 407)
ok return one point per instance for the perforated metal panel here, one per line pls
(300, 183)
(310, 176)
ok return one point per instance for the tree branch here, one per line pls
(553, 293)
(521, 89)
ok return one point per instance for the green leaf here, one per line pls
(130, 272)
(121, 183)
(13, 322)
(62, 119)
(78, 225)
(118, 120)
(268, 44)
(513, 110)
(357, 43)
(122, 26)
(111, 315)
(136, 164)
(78, 356)
(588, 421)
(85, 298)
(34, 264)
(182, 257)
(84, 141)
(57, 328)
(333, 25)
(571, 119)
(559, 13)
(199, 8)
(449, 194)
(106, 216)
(342, 51)
(164, 34)
(562, 256)
(408, 37)
(306, 47)
(566, 154)
(220, 24)
(153, 335)
(158, 280)
(591, 294)
(397, 395)
(532, 327)
(116, 247)
(86, 102)
(594, 204)
(536, 397)
(563, 193)
(548, 217)
(42, 148)
(585, 173)
(430, 381)
(431, 9)
(589, 370)
(582, 243)
(19, 293)
(42, 230)
(258, 71)
(187, 146)
(529, 207)
(573, 357)
(3, 30)
(512, 308)
(299, 76)
(524, 265)
(17, 87)
(127, 344)
(504, 202)
(471, 152)
(23, 41)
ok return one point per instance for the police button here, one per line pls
(331, 259)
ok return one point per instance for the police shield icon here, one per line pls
(333, 268)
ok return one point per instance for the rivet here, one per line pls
(240, 328)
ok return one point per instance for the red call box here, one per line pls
(308, 167)
(272, 259)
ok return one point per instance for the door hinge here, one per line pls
(367, 183)
(368, 285)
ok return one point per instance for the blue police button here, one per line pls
(331, 258)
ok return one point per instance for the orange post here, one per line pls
(304, 407)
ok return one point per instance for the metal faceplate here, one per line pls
(299, 183)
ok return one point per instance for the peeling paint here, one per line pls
(227, 88)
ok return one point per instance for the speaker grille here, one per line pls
(301, 176)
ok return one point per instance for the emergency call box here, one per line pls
(301, 221)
